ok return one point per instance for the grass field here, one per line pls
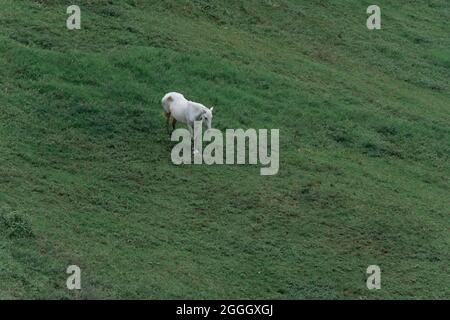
(85, 170)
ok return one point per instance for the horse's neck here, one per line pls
(195, 105)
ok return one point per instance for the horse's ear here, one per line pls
(211, 109)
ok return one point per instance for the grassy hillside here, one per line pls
(85, 170)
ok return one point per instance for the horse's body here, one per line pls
(178, 108)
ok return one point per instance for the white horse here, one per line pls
(178, 108)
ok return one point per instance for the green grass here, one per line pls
(85, 170)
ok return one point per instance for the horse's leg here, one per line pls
(191, 127)
(168, 116)
(174, 122)
(191, 130)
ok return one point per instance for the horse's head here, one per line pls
(207, 117)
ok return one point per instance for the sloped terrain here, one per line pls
(85, 170)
